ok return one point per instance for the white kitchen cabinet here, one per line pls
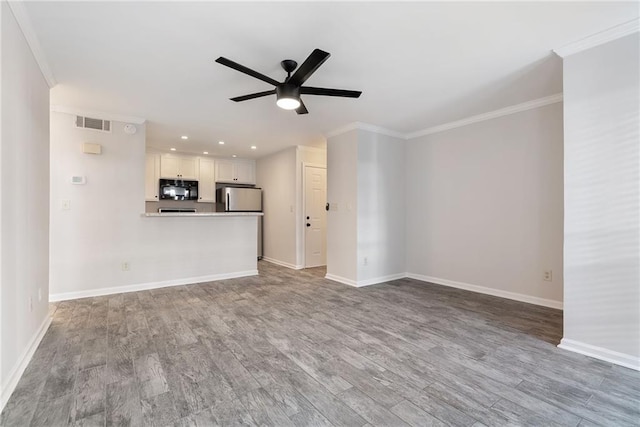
(245, 172)
(206, 181)
(173, 166)
(236, 171)
(225, 171)
(151, 177)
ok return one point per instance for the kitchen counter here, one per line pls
(200, 214)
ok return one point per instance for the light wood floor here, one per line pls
(291, 348)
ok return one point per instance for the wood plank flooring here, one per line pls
(289, 348)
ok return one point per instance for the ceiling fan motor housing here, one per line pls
(286, 90)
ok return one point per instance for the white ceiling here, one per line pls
(418, 64)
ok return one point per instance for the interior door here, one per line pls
(315, 199)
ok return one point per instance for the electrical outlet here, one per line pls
(548, 276)
(365, 261)
(66, 205)
(126, 266)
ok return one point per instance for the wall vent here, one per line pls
(91, 123)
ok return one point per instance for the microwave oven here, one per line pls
(178, 189)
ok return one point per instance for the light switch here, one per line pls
(66, 205)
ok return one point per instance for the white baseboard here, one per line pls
(489, 291)
(621, 359)
(150, 285)
(282, 263)
(367, 282)
(16, 373)
(381, 279)
(342, 280)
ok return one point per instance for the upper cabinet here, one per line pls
(151, 177)
(206, 181)
(236, 171)
(180, 167)
(206, 170)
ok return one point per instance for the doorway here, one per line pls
(315, 215)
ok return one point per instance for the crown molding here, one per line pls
(343, 129)
(24, 22)
(529, 105)
(98, 114)
(597, 39)
(367, 127)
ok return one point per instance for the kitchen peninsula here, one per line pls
(173, 249)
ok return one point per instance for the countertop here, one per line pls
(200, 214)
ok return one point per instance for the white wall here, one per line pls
(365, 189)
(381, 207)
(602, 203)
(24, 220)
(104, 227)
(484, 205)
(342, 218)
(276, 175)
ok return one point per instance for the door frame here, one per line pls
(304, 207)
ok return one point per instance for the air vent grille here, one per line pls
(91, 123)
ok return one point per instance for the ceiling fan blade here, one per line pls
(229, 63)
(253, 95)
(330, 92)
(308, 67)
(302, 109)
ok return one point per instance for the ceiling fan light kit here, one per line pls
(288, 96)
(288, 92)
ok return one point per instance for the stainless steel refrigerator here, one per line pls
(241, 199)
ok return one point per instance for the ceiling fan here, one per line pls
(288, 92)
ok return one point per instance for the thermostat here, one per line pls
(79, 180)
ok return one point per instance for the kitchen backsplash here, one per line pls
(152, 207)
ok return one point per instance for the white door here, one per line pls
(315, 199)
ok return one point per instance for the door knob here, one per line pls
(308, 225)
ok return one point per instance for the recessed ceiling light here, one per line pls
(221, 142)
(184, 137)
(172, 149)
(253, 147)
(205, 152)
(233, 155)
